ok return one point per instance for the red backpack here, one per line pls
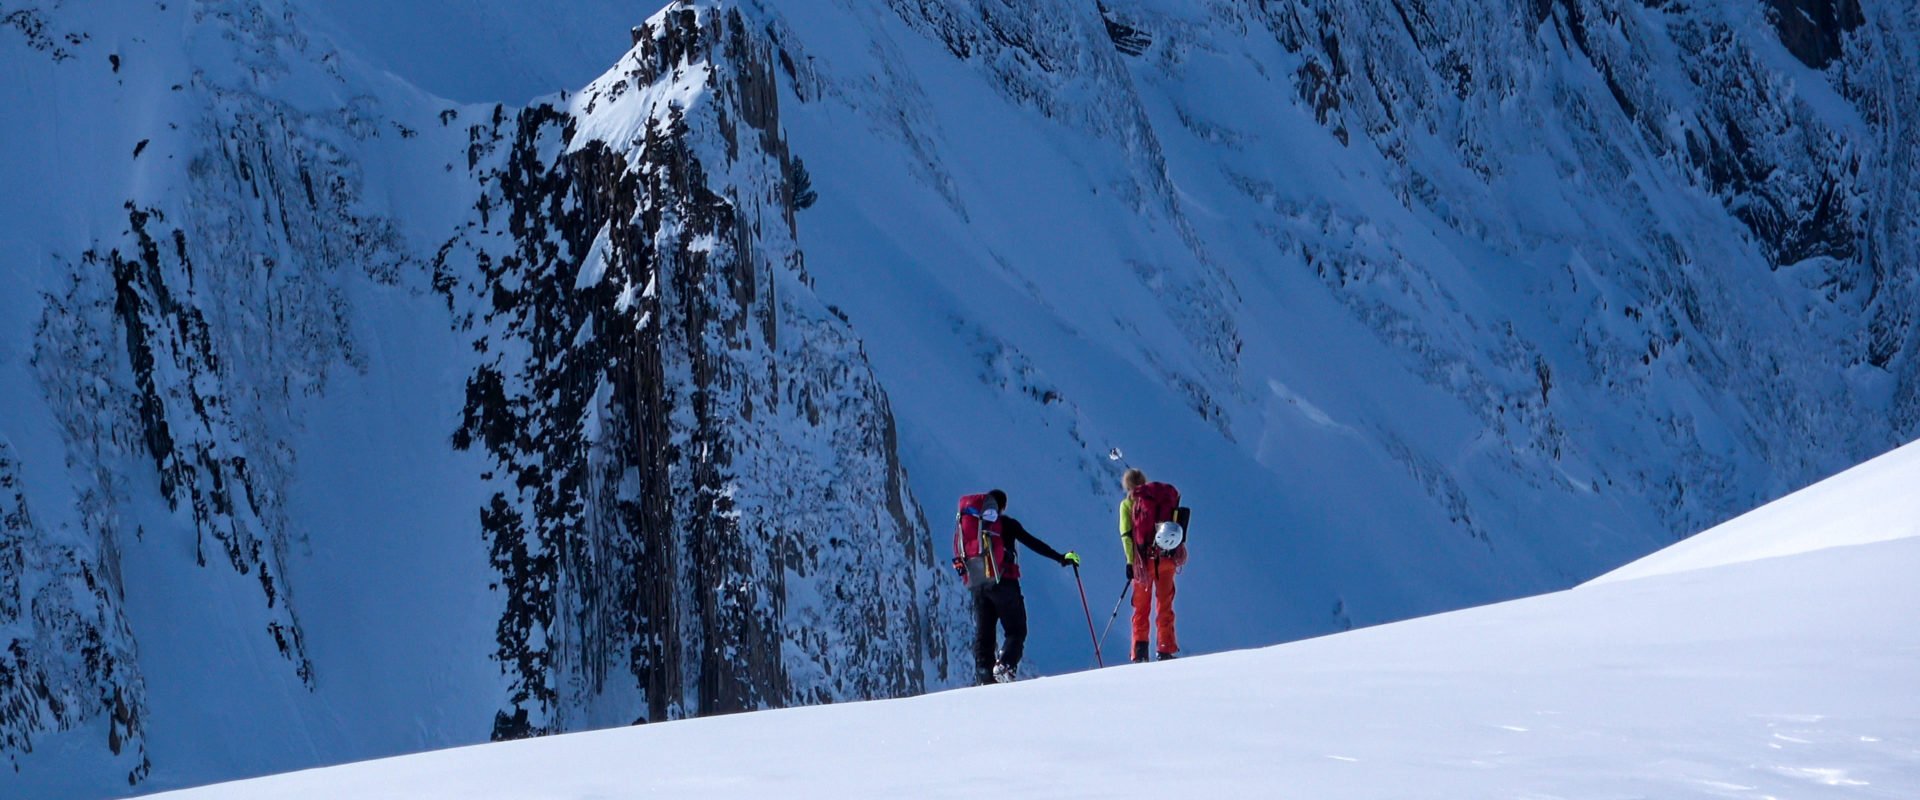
(1154, 503)
(979, 562)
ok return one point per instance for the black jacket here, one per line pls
(1016, 534)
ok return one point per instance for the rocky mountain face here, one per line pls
(697, 489)
(692, 503)
(170, 354)
(1466, 115)
(69, 657)
(344, 420)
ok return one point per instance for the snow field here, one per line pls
(1782, 677)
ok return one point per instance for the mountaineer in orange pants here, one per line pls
(1151, 568)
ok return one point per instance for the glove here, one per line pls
(960, 566)
(1070, 559)
(1129, 572)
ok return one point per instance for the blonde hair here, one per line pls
(1133, 479)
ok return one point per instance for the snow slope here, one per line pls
(1875, 502)
(1727, 677)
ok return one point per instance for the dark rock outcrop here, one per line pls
(698, 501)
(66, 656)
(1814, 30)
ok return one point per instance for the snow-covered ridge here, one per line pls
(1788, 677)
(1874, 502)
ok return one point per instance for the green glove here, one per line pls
(1071, 557)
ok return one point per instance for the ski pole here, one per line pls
(1116, 610)
(1097, 658)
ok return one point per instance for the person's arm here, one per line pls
(1019, 532)
(1126, 528)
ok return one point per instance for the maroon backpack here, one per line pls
(1154, 503)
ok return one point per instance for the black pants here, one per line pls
(1002, 603)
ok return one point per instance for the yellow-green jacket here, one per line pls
(1126, 529)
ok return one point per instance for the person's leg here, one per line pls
(1163, 621)
(983, 621)
(1012, 607)
(1142, 609)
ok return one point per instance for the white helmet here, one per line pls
(1169, 535)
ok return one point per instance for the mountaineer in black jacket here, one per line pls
(1002, 602)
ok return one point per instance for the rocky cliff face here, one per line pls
(698, 493)
(692, 498)
(70, 660)
(172, 353)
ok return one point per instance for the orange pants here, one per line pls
(1154, 578)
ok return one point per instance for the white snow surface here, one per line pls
(1782, 677)
(1874, 502)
